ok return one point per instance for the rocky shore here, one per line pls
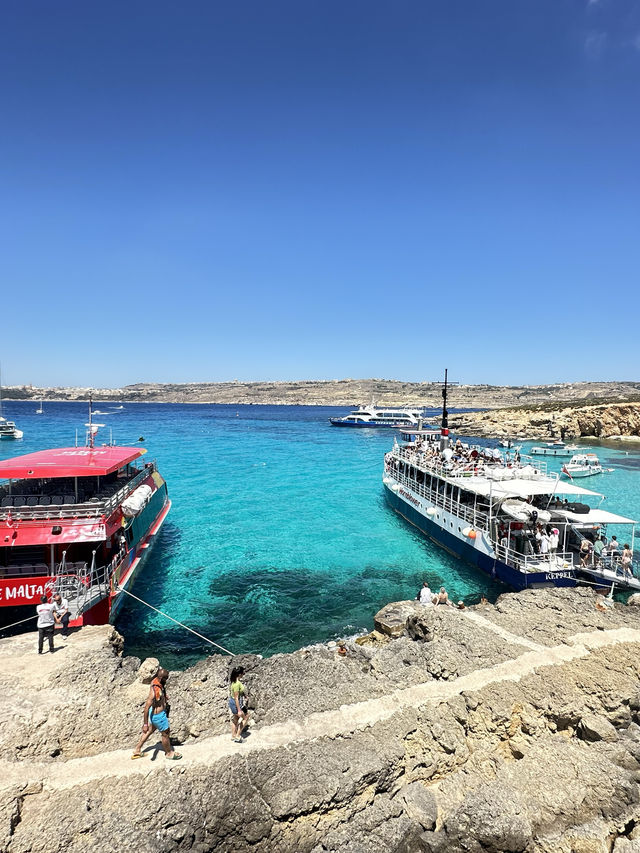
(342, 392)
(512, 727)
(614, 420)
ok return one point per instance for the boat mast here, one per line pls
(91, 433)
(444, 427)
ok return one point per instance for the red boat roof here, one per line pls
(68, 462)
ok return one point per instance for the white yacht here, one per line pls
(554, 448)
(8, 429)
(380, 416)
(582, 465)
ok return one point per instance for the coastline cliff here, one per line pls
(613, 420)
(512, 727)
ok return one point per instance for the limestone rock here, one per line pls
(421, 626)
(148, 669)
(594, 728)
(625, 845)
(634, 599)
(420, 804)
(517, 757)
(392, 618)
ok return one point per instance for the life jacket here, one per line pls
(159, 693)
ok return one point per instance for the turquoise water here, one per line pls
(279, 534)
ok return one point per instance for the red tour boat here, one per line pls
(77, 520)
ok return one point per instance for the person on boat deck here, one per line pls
(544, 545)
(425, 596)
(598, 547)
(537, 540)
(627, 560)
(554, 539)
(614, 547)
(585, 552)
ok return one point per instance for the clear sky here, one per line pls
(319, 189)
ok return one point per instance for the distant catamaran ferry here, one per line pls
(501, 511)
(379, 416)
(77, 520)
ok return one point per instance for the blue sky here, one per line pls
(288, 190)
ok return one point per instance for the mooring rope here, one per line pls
(182, 625)
(13, 624)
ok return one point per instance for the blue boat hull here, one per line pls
(491, 566)
(371, 425)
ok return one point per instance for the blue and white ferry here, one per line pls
(493, 509)
(380, 416)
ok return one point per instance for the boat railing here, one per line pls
(559, 561)
(84, 585)
(470, 514)
(93, 508)
(464, 468)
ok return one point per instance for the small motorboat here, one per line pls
(554, 448)
(583, 465)
(524, 512)
(8, 430)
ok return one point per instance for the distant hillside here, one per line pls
(344, 392)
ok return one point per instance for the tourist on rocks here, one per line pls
(61, 609)
(425, 596)
(46, 623)
(238, 704)
(443, 598)
(156, 716)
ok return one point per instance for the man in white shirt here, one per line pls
(425, 596)
(61, 609)
(46, 623)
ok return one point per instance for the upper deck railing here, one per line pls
(96, 507)
(496, 469)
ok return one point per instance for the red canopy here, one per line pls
(68, 462)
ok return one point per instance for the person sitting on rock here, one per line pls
(425, 596)
(443, 598)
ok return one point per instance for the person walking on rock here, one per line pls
(156, 716)
(237, 704)
(46, 623)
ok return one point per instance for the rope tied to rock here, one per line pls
(182, 625)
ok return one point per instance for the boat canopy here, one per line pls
(597, 516)
(68, 462)
(520, 488)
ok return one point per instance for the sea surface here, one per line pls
(279, 535)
